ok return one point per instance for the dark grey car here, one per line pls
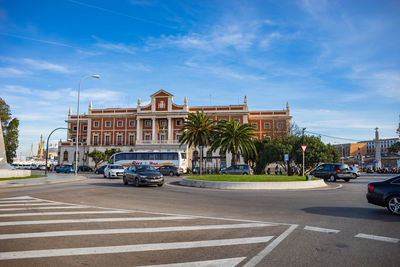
(143, 175)
(333, 172)
(170, 170)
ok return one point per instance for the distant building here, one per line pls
(352, 149)
(156, 127)
(385, 144)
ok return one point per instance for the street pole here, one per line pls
(303, 163)
(47, 146)
(77, 121)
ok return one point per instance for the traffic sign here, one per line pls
(304, 148)
(286, 157)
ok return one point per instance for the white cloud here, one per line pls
(115, 47)
(16, 89)
(45, 65)
(11, 72)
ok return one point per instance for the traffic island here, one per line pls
(252, 182)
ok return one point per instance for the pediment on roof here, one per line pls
(161, 92)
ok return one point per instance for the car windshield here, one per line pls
(142, 168)
(116, 167)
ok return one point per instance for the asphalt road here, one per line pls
(321, 227)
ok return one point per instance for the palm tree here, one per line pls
(197, 131)
(236, 138)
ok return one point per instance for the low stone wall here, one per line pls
(254, 185)
(14, 173)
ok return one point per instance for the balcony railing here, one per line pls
(157, 142)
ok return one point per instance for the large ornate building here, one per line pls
(156, 126)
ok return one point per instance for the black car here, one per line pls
(84, 169)
(143, 175)
(100, 170)
(170, 170)
(385, 194)
(333, 172)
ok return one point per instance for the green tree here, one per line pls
(197, 130)
(395, 148)
(236, 138)
(100, 157)
(10, 130)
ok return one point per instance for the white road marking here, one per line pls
(130, 248)
(23, 201)
(379, 238)
(323, 230)
(130, 230)
(46, 208)
(62, 213)
(33, 204)
(22, 197)
(211, 263)
(260, 256)
(97, 220)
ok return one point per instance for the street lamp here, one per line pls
(77, 121)
(47, 146)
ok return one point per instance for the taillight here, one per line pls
(370, 187)
(337, 170)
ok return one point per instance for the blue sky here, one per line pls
(337, 63)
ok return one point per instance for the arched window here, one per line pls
(65, 156)
(195, 155)
(222, 155)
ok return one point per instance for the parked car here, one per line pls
(333, 172)
(113, 170)
(41, 167)
(238, 169)
(170, 170)
(84, 169)
(100, 170)
(65, 169)
(143, 175)
(385, 193)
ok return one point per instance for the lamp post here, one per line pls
(47, 146)
(77, 121)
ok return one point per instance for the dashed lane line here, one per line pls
(64, 213)
(323, 230)
(130, 230)
(131, 248)
(378, 238)
(129, 219)
(211, 263)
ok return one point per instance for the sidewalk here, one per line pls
(52, 178)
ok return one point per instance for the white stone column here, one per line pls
(153, 127)
(138, 131)
(170, 135)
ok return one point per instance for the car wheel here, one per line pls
(332, 178)
(347, 180)
(160, 185)
(354, 176)
(137, 182)
(393, 204)
(109, 175)
(96, 172)
(171, 173)
(125, 181)
(67, 171)
(245, 173)
(104, 175)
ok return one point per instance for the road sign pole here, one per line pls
(303, 163)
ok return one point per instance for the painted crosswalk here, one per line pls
(58, 230)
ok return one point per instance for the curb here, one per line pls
(254, 185)
(8, 183)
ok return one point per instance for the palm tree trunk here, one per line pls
(234, 158)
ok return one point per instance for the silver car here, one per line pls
(238, 169)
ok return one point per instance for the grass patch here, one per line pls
(249, 178)
(19, 178)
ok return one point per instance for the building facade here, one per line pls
(384, 144)
(157, 127)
